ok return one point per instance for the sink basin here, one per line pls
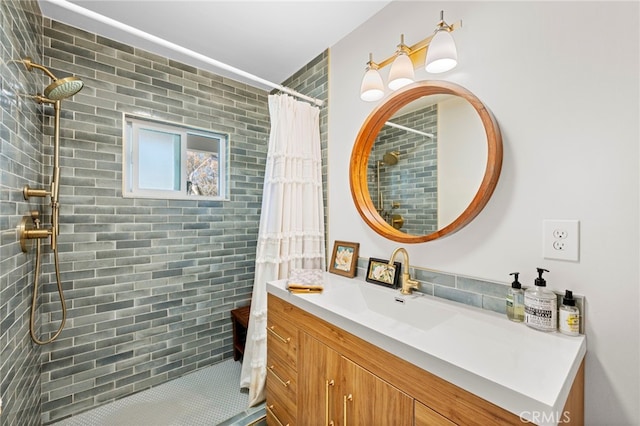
(417, 311)
(372, 302)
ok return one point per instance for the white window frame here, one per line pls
(130, 157)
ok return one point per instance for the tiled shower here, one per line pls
(149, 283)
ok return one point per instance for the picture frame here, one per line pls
(344, 259)
(380, 272)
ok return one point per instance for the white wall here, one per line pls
(462, 157)
(562, 80)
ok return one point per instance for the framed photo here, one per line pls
(344, 260)
(380, 272)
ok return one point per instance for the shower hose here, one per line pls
(32, 322)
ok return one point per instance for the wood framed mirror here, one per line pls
(425, 174)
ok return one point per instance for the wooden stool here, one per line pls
(240, 322)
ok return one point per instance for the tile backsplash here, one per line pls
(483, 294)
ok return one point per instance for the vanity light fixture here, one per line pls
(442, 54)
(437, 52)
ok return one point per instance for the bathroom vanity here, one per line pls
(363, 354)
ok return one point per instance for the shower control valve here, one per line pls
(30, 229)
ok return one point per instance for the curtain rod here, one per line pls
(409, 129)
(150, 37)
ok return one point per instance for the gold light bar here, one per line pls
(418, 52)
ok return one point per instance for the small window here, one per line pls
(170, 161)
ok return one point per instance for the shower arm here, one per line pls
(30, 65)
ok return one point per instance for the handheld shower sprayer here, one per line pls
(30, 226)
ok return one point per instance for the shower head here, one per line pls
(63, 88)
(391, 158)
(60, 88)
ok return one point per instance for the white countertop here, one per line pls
(524, 371)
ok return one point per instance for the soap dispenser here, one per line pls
(541, 305)
(569, 315)
(515, 300)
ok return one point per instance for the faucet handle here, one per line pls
(413, 283)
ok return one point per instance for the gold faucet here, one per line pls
(408, 284)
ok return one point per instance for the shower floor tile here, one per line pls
(209, 396)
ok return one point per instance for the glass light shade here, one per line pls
(372, 88)
(401, 72)
(441, 53)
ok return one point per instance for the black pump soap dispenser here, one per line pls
(515, 300)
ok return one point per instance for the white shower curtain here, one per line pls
(291, 233)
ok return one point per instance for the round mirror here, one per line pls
(425, 162)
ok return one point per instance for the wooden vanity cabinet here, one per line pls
(338, 391)
(327, 364)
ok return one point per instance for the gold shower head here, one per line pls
(391, 158)
(63, 88)
(59, 89)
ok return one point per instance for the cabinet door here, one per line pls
(368, 400)
(318, 379)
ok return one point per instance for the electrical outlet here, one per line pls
(559, 245)
(561, 239)
(559, 233)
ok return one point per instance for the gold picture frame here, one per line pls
(344, 259)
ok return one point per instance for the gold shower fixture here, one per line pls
(59, 89)
(30, 226)
(437, 53)
(55, 92)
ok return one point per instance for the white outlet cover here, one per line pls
(561, 239)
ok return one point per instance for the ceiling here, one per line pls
(269, 39)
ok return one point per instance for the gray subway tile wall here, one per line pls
(21, 163)
(173, 269)
(163, 275)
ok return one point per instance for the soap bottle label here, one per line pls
(569, 322)
(509, 301)
(540, 313)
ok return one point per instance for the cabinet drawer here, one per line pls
(425, 416)
(281, 400)
(282, 365)
(273, 420)
(282, 339)
(281, 380)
